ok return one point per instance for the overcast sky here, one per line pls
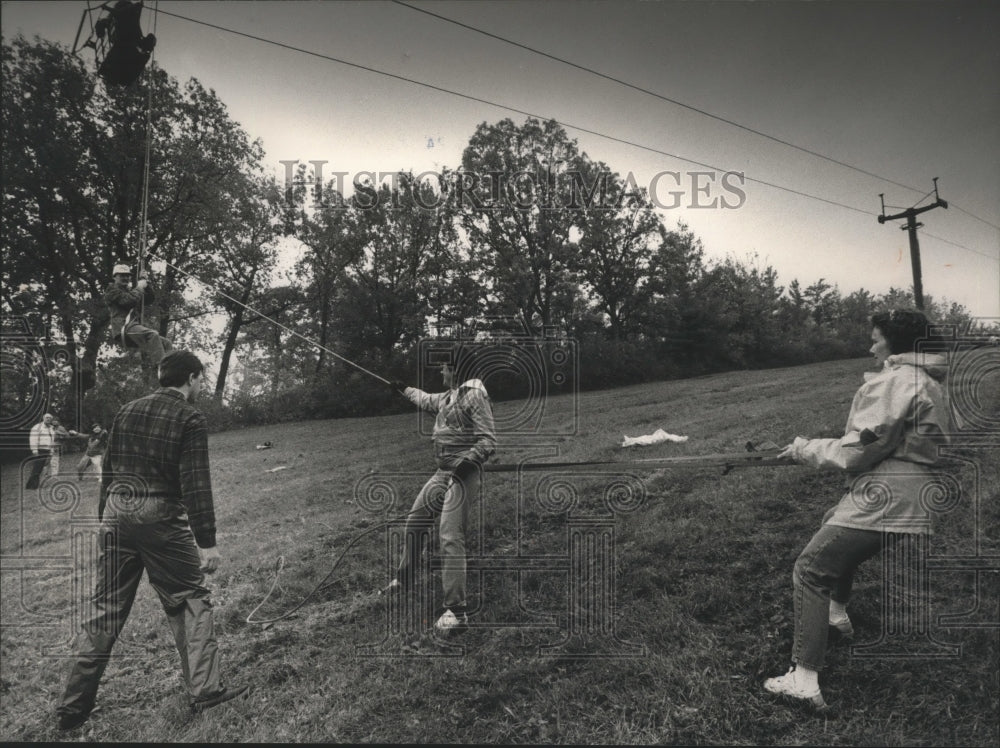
(904, 90)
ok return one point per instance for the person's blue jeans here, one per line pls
(448, 494)
(824, 571)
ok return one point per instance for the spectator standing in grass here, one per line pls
(463, 440)
(160, 518)
(97, 440)
(63, 438)
(897, 424)
(42, 441)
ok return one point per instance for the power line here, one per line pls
(973, 215)
(962, 246)
(675, 102)
(921, 200)
(477, 99)
(542, 117)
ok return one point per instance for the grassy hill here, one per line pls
(700, 600)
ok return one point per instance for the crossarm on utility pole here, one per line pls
(911, 226)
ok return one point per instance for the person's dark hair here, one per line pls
(177, 366)
(902, 328)
(468, 360)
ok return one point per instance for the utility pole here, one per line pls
(911, 226)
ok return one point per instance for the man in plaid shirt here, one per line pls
(161, 519)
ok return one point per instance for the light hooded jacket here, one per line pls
(463, 428)
(42, 438)
(898, 422)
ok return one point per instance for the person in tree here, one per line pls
(124, 302)
(130, 50)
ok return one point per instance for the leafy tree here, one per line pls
(387, 290)
(853, 324)
(247, 251)
(332, 240)
(518, 215)
(74, 158)
(675, 316)
(620, 234)
(740, 301)
(822, 300)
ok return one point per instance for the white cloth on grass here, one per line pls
(655, 438)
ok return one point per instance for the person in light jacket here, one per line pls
(464, 439)
(897, 424)
(42, 440)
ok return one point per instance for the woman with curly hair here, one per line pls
(897, 424)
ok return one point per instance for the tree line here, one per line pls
(543, 237)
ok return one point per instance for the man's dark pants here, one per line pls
(38, 463)
(167, 551)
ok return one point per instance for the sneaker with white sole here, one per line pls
(842, 623)
(788, 685)
(450, 622)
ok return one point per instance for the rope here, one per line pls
(728, 461)
(145, 177)
(725, 460)
(319, 585)
(271, 320)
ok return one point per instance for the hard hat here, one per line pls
(122, 270)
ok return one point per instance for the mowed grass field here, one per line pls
(699, 596)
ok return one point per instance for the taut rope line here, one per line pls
(145, 176)
(271, 320)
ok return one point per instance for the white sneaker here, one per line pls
(449, 622)
(842, 623)
(788, 685)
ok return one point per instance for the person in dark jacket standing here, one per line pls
(160, 517)
(124, 302)
(97, 441)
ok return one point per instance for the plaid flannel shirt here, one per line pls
(162, 442)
